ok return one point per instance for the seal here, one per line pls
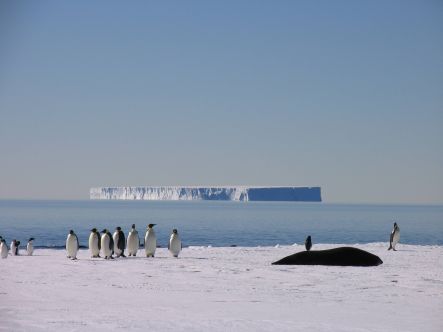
(342, 256)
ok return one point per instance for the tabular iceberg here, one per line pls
(237, 193)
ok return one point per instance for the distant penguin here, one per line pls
(72, 245)
(15, 247)
(3, 248)
(107, 244)
(133, 241)
(150, 241)
(119, 242)
(94, 243)
(30, 246)
(308, 243)
(395, 237)
(175, 244)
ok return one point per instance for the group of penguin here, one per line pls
(4, 250)
(115, 244)
(393, 239)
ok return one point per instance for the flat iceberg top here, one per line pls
(215, 289)
(232, 193)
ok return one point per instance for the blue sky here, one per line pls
(347, 95)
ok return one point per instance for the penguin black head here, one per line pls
(94, 230)
(133, 225)
(105, 231)
(71, 232)
(174, 231)
(308, 238)
(3, 240)
(118, 228)
(151, 225)
(17, 243)
(31, 239)
(395, 224)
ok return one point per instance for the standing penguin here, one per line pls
(72, 245)
(3, 248)
(150, 241)
(107, 244)
(133, 241)
(15, 247)
(94, 243)
(308, 243)
(119, 242)
(30, 246)
(175, 244)
(395, 237)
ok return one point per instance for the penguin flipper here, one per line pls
(121, 242)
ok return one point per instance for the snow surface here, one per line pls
(220, 289)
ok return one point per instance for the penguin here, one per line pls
(107, 244)
(175, 244)
(94, 243)
(30, 246)
(3, 248)
(395, 237)
(72, 245)
(133, 241)
(15, 247)
(119, 242)
(150, 241)
(308, 243)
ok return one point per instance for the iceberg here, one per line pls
(234, 193)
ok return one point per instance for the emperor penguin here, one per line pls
(395, 237)
(30, 246)
(3, 248)
(15, 247)
(308, 243)
(175, 244)
(94, 243)
(107, 244)
(119, 242)
(150, 241)
(72, 245)
(133, 241)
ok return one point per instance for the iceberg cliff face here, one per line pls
(240, 193)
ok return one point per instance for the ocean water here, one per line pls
(218, 223)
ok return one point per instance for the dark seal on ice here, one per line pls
(343, 256)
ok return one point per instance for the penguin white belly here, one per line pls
(93, 245)
(395, 238)
(150, 243)
(72, 246)
(30, 249)
(117, 251)
(105, 246)
(175, 245)
(133, 242)
(13, 250)
(4, 250)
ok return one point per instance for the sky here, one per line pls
(346, 95)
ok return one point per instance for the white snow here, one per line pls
(221, 289)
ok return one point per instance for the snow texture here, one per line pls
(239, 193)
(222, 289)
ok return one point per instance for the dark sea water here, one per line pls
(203, 223)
